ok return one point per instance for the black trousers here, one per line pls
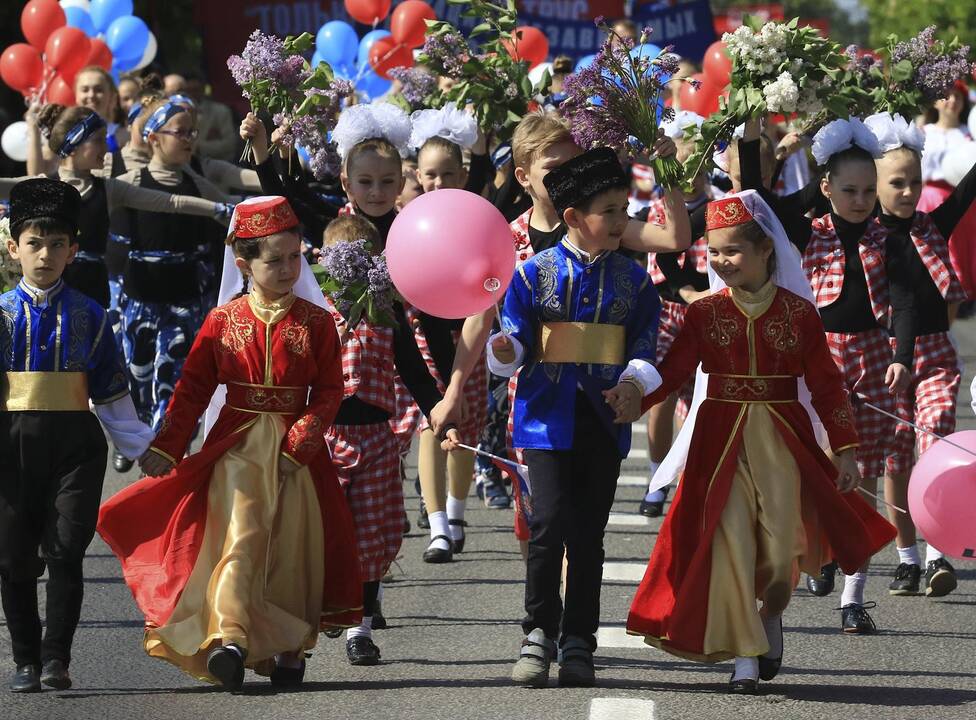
(52, 465)
(572, 493)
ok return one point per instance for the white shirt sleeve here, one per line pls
(505, 369)
(130, 435)
(644, 373)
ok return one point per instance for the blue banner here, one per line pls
(686, 25)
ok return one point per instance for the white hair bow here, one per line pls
(839, 135)
(894, 131)
(449, 123)
(368, 121)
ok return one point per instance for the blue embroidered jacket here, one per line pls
(61, 330)
(559, 285)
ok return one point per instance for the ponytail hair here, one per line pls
(56, 121)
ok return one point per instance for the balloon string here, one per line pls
(891, 505)
(498, 313)
(861, 399)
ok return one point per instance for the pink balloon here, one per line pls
(447, 250)
(942, 495)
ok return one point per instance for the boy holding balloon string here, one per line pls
(581, 320)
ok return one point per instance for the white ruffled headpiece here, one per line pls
(449, 123)
(839, 135)
(894, 131)
(372, 120)
(682, 121)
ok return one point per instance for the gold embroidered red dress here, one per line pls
(224, 548)
(757, 500)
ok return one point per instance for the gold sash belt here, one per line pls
(752, 388)
(583, 343)
(45, 391)
(278, 400)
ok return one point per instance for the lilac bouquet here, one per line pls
(618, 101)
(358, 282)
(417, 86)
(919, 71)
(274, 76)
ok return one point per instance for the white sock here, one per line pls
(932, 553)
(455, 511)
(771, 624)
(363, 630)
(909, 555)
(439, 526)
(746, 668)
(652, 471)
(853, 589)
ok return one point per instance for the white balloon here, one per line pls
(14, 141)
(535, 74)
(83, 4)
(957, 163)
(149, 54)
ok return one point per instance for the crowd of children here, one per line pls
(818, 322)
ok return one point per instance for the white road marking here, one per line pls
(621, 709)
(624, 572)
(617, 518)
(638, 453)
(632, 481)
(617, 637)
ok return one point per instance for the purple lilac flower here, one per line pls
(416, 84)
(380, 284)
(324, 162)
(347, 262)
(264, 58)
(447, 52)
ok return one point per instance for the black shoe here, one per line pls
(746, 686)
(854, 619)
(769, 667)
(655, 508)
(824, 584)
(423, 521)
(940, 578)
(121, 463)
(286, 677)
(436, 555)
(333, 633)
(27, 679)
(362, 651)
(227, 665)
(379, 621)
(458, 545)
(906, 580)
(54, 674)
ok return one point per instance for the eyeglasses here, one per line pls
(181, 134)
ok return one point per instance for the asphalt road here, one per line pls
(454, 634)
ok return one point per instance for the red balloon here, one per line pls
(39, 19)
(368, 12)
(703, 99)
(67, 50)
(408, 26)
(717, 65)
(531, 45)
(100, 54)
(60, 92)
(386, 54)
(21, 67)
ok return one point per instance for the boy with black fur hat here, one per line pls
(57, 352)
(582, 318)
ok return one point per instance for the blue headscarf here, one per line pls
(161, 116)
(133, 113)
(83, 129)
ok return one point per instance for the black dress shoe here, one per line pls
(653, 508)
(854, 619)
(362, 651)
(746, 686)
(436, 555)
(940, 578)
(54, 674)
(823, 584)
(906, 582)
(458, 545)
(27, 679)
(769, 667)
(379, 621)
(288, 677)
(227, 665)
(121, 463)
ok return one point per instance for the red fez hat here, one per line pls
(725, 213)
(260, 217)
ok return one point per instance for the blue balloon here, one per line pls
(77, 17)
(345, 71)
(105, 12)
(584, 62)
(362, 58)
(127, 38)
(372, 85)
(648, 50)
(336, 42)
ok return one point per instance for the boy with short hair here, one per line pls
(580, 320)
(57, 351)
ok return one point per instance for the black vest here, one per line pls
(88, 273)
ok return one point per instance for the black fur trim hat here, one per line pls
(44, 197)
(576, 181)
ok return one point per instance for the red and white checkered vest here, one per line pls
(520, 235)
(934, 251)
(824, 261)
(367, 363)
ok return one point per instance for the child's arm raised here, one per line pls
(675, 234)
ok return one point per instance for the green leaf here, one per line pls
(902, 71)
(480, 29)
(513, 117)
